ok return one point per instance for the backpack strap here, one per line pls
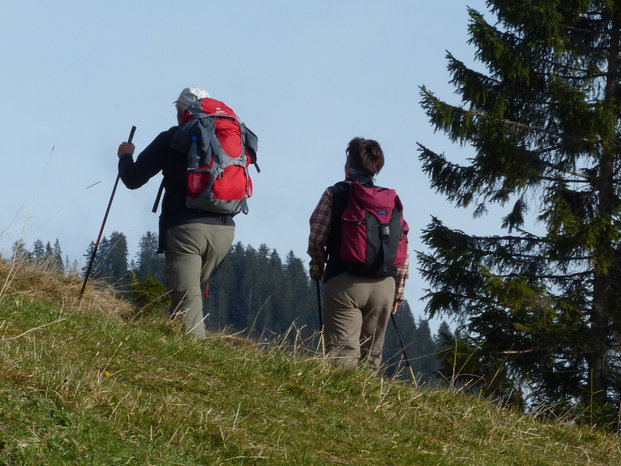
(244, 206)
(340, 196)
(158, 197)
(250, 143)
(213, 146)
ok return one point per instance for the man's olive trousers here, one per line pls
(194, 252)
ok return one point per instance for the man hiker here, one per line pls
(358, 296)
(194, 241)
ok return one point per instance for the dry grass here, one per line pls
(21, 279)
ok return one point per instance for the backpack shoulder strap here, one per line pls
(158, 197)
(340, 196)
(250, 142)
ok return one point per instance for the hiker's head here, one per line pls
(364, 157)
(187, 97)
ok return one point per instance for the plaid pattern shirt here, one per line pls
(320, 226)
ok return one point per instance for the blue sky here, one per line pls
(305, 76)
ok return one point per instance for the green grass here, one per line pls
(80, 385)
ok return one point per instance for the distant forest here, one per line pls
(254, 293)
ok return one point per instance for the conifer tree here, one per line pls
(426, 362)
(148, 296)
(101, 265)
(87, 255)
(111, 263)
(543, 125)
(68, 267)
(239, 287)
(301, 307)
(149, 261)
(19, 251)
(117, 255)
(57, 258)
(48, 254)
(38, 252)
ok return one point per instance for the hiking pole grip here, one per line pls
(131, 134)
(103, 224)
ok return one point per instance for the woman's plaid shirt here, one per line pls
(320, 225)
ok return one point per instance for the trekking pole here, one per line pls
(103, 224)
(319, 306)
(323, 345)
(405, 354)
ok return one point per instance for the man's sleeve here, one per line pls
(147, 164)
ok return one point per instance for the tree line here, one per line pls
(45, 256)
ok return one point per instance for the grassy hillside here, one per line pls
(81, 385)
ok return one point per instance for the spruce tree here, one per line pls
(147, 296)
(543, 124)
(263, 293)
(38, 252)
(101, 264)
(301, 306)
(239, 314)
(116, 258)
(57, 258)
(111, 263)
(87, 256)
(19, 251)
(149, 261)
(49, 255)
(426, 362)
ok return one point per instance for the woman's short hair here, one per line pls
(365, 154)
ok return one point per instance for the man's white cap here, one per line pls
(188, 96)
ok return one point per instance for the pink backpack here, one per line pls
(374, 240)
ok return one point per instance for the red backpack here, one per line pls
(374, 232)
(219, 149)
